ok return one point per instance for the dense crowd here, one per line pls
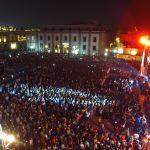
(73, 103)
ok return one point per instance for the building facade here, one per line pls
(68, 39)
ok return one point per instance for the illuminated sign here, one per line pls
(129, 57)
(9, 28)
(21, 38)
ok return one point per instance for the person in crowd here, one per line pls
(72, 103)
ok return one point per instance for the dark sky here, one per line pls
(113, 13)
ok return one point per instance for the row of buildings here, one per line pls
(75, 39)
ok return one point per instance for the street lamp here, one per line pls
(6, 139)
(144, 40)
(46, 46)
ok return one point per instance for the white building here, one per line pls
(74, 39)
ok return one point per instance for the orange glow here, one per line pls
(143, 40)
(133, 52)
(148, 43)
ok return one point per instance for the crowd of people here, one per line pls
(58, 102)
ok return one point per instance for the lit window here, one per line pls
(65, 47)
(4, 39)
(57, 49)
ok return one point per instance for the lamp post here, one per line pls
(144, 40)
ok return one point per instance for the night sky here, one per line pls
(115, 14)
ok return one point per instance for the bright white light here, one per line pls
(13, 46)
(10, 55)
(133, 52)
(148, 59)
(46, 46)
(65, 44)
(5, 40)
(49, 51)
(120, 51)
(105, 54)
(32, 46)
(10, 138)
(118, 40)
(75, 50)
(148, 43)
(114, 51)
(144, 40)
(3, 136)
(74, 47)
(94, 54)
(131, 81)
(106, 50)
